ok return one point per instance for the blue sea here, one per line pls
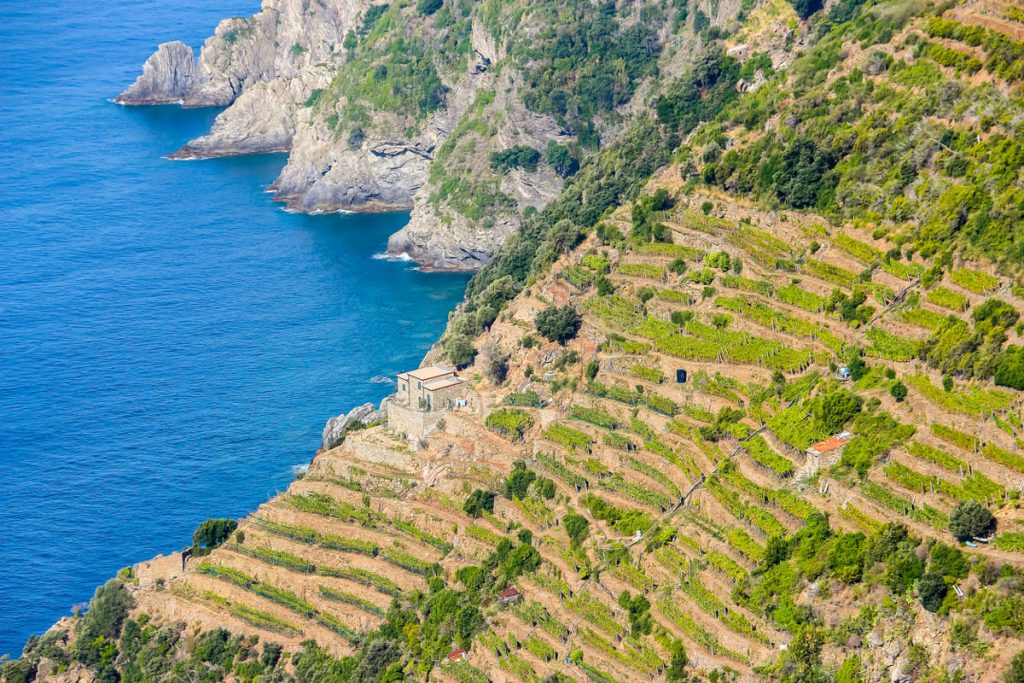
(171, 341)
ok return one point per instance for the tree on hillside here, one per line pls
(211, 534)
(494, 361)
(577, 527)
(559, 324)
(970, 519)
(561, 159)
(806, 8)
(478, 502)
(932, 589)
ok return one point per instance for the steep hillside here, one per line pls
(742, 403)
(588, 477)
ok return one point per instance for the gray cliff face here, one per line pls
(285, 39)
(264, 67)
(336, 427)
(325, 172)
(168, 76)
(440, 237)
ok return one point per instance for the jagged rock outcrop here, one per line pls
(284, 39)
(337, 427)
(441, 237)
(168, 76)
(263, 119)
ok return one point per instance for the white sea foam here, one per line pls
(381, 379)
(385, 256)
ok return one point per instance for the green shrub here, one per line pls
(577, 527)
(520, 156)
(478, 502)
(558, 324)
(511, 423)
(517, 483)
(210, 534)
(970, 519)
(428, 7)
(561, 159)
(932, 589)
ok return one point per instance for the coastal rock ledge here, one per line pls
(167, 77)
(337, 427)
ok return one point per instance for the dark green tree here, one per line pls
(559, 324)
(577, 527)
(517, 483)
(478, 502)
(932, 589)
(970, 519)
(561, 159)
(676, 672)
(806, 8)
(428, 7)
(211, 534)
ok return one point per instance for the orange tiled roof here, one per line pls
(830, 444)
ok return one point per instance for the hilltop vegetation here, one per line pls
(828, 256)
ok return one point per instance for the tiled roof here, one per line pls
(832, 443)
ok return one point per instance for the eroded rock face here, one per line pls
(440, 237)
(284, 39)
(168, 76)
(262, 120)
(336, 427)
(327, 174)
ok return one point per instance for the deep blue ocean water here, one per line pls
(171, 342)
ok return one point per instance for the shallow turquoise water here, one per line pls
(171, 342)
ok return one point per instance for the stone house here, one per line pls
(430, 389)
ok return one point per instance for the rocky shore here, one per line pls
(269, 70)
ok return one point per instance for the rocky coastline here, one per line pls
(268, 71)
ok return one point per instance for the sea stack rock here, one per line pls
(167, 77)
(336, 427)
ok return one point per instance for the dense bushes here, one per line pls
(211, 534)
(970, 519)
(478, 502)
(520, 156)
(584, 62)
(559, 324)
(804, 178)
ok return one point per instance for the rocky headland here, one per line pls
(336, 85)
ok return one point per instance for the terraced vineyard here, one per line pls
(657, 514)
